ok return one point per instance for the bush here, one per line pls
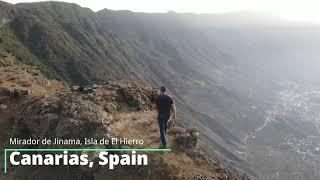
(9, 60)
(6, 59)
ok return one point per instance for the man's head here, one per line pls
(163, 90)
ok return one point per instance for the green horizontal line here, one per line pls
(49, 149)
(88, 149)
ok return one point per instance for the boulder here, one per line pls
(111, 107)
(187, 140)
(88, 89)
(3, 107)
(19, 92)
(137, 96)
(74, 88)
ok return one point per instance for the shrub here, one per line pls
(6, 59)
(9, 60)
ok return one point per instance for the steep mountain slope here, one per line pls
(73, 44)
(225, 71)
(63, 39)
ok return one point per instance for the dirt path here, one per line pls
(143, 125)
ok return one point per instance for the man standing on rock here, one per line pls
(165, 106)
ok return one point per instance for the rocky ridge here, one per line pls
(115, 109)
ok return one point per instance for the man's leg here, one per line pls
(163, 119)
(166, 125)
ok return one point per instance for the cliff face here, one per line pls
(117, 109)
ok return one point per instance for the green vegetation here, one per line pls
(76, 45)
(7, 59)
(57, 39)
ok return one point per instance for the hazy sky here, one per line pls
(296, 10)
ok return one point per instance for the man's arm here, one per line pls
(154, 104)
(173, 110)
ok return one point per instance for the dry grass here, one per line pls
(17, 77)
(143, 125)
(24, 83)
(11, 78)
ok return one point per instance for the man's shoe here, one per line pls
(163, 147)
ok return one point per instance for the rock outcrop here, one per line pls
(136, 95)
(67, 116)
(19, 92)
(187, 140)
